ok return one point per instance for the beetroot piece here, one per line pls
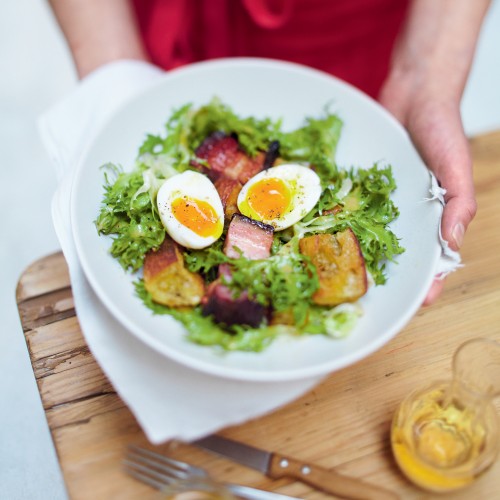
(229, 310)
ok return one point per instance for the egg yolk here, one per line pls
(269, 198)
(197, 215)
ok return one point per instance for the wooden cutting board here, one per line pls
(342, 424)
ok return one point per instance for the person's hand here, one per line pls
(428, 73)
(435, 127)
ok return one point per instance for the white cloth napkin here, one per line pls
(169, 400)
(450, 259)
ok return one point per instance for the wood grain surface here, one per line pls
(343, 424)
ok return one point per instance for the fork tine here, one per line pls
(158, 471)
(158, 480)
(157, 474)
(148, 464)
(183, 466)
(145, 478)
(162, 458)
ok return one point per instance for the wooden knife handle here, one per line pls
(326, 480)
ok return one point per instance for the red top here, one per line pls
(351, 39)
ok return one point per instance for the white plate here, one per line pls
(266, 88)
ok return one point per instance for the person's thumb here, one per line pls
(458, 213)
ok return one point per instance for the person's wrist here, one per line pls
(411, 91)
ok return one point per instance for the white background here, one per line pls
(35, 71)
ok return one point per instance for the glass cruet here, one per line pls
(445, 435)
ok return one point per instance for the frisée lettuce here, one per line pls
(354, 198)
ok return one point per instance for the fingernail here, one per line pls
(458, 234)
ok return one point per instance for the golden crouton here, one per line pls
(340, 266)
(168, 281)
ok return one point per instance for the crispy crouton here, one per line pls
(168, 281)
(340, 266)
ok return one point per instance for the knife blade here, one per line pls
(277, 466)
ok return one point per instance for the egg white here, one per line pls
(304, 186)
(192, 185)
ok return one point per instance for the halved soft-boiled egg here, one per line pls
(280, 196)
(191, 209)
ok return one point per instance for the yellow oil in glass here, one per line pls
(445, 435)
(438, 443)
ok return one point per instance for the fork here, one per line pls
(160, 472)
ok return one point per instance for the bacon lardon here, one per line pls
(249, 239)
(272, 154)
(224, 158)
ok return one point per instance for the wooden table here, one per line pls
(343, 423)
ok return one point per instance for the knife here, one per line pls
(277, 466)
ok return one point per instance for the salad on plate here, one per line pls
(243, 231)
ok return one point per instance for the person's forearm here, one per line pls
(435, 51)
(98, 31)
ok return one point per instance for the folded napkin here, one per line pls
(169, 400)
(450, 259)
